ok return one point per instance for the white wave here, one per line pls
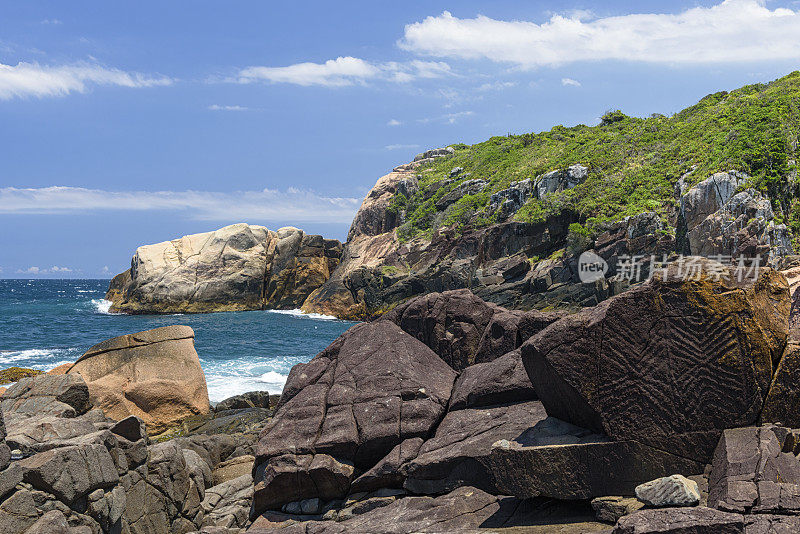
(220, 387)
(102, 306)
(274, 378)
(35, 356)
(301, 313)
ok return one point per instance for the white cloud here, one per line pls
(344, 71)
(105, 270)
(400, 147)
(216, 107)
(732, 31)
(34, 270)
(266, 205)
(394, 122)
(570, 82)
(32, 79)
(496, 86)
(450, 118)
(51, 22)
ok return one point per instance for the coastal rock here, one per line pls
(674, 490)
(646, 364)
(782, 405)
(251, 399)
(233, 468)
(560, 180)
(458, 454)
(463, 329)
(502, 380)
(562, 461)
(719, 221)
(754, 469)
(463, 510)
(697, 520)
(238, 267)
(46, 395)
(154, 375)
(5, 451)
(227, 505)
(611, 509)
(371, 389)
(386, 473)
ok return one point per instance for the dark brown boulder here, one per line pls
(458, 454)
(699, 520)
(754, 469)
(463, 329)
(646, 365)
(371, 389)
(499, 381)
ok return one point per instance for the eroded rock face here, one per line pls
(238, 267)
(755, 470)
(368, 391)
(719, 221)
(645, 365)
(155, 375)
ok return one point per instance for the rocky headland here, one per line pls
(238, 267)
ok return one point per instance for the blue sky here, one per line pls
(130, 123)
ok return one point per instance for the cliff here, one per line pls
(238, 267)
(509, 218)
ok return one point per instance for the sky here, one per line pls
(128, 123)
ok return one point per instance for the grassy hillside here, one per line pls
(634, 162)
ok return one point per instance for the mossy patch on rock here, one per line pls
(14, 374)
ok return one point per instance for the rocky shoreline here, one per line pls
(519, 265)
(668, 408)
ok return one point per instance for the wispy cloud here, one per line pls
(34, 80)
(450, 118)
(400, 147)
(265, 205)
(496, 86)
(732, 31)
(51, 22)
(344, 71)
(217, 107)
(394, 122)
(570, 82)
(55, 269)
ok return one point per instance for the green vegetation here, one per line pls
(634, 162)
(15, 374)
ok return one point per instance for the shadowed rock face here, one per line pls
(647, 365)
(154, 375)
(238, 267)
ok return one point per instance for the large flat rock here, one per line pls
(559, 460)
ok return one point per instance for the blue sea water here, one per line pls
(45, 323)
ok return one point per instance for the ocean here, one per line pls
(46, 323)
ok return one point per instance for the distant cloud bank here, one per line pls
(266, 205)
(34, 80)
(733, 31)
